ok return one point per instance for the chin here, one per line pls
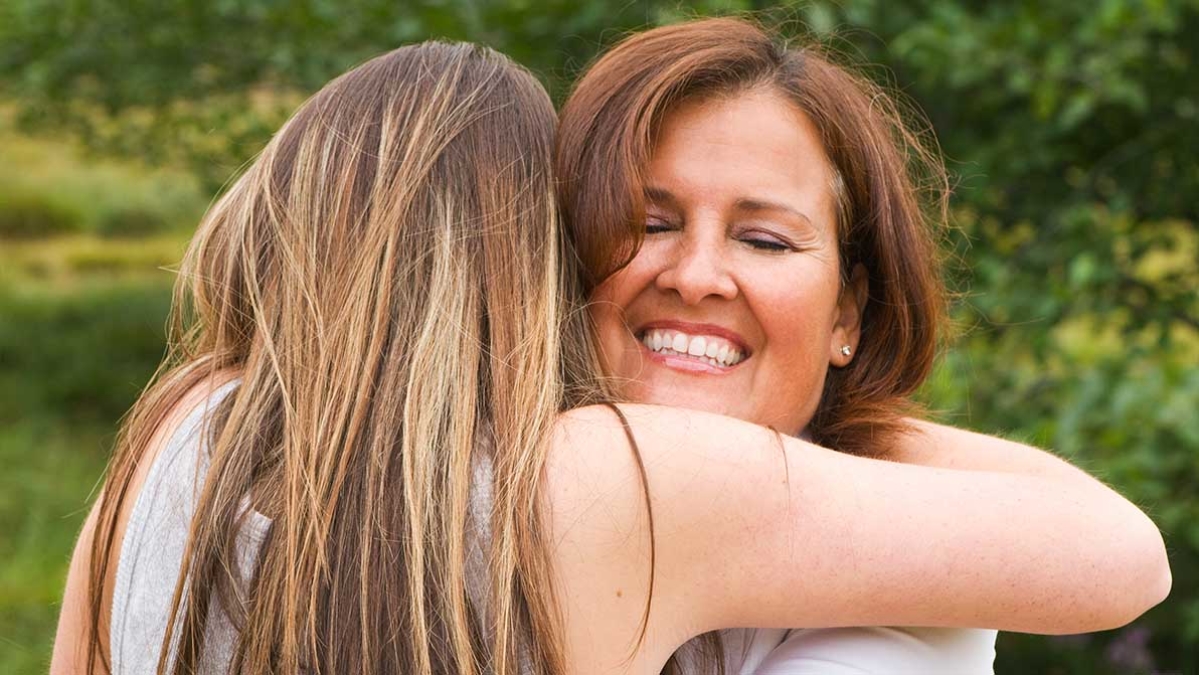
(684, 397)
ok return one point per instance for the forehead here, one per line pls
(752, 145)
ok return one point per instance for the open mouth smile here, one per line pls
(677, 347)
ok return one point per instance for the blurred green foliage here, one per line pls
(58, 335)
(73, 355)
(52, 189)
(27, 216)
(1071, 129)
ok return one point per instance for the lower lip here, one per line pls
(684, 364)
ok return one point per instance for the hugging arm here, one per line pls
(753, 530)
(938, 445)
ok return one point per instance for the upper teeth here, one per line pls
(714, 350)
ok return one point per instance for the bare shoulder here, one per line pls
(600, 545)
(611, 467)
(74, 623)
(627, 501)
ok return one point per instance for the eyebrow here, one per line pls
(763, 205)
(661, 196)
(658, 195)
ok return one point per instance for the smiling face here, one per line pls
(734, 303)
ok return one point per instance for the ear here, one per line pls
(848, 327)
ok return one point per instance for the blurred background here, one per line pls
(1071, 128)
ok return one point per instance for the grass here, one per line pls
(52, 466)
(107, 197)
(74, 353)
(76, 261)
(81, 330)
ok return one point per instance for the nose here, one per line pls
(698, 268)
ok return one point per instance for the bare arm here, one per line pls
(74, 620)
(748, 533)
(938, 445)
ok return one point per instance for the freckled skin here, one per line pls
(741, 234)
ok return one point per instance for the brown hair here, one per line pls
(892, 193)
(385, 282)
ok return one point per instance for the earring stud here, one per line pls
(845, 350)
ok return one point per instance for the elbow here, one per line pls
(1122, 580)
(1154, 579)
(1165, 581)
(1143, 581)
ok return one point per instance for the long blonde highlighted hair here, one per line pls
(386, 281)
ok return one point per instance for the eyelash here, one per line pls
(657, 226)
(767, 245)
(654, 226)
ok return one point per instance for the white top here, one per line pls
(859, 651)
(151, 554)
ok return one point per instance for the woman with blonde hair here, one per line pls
(357, 460)
(368, 307)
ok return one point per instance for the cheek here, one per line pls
(797, 314)
(612, 298)
(604, 317)
(606, 307)
(799, 347)
(791, 376)
(619, 288)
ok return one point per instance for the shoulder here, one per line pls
(613, 468)
(639, 517)
(75, 624)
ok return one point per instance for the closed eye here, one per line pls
(655, 225)
(765, 243)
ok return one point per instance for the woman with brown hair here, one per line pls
(757, 228)
(357, 460)
(365, 314)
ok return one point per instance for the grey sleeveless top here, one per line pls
(151, 552)
(151, 555)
